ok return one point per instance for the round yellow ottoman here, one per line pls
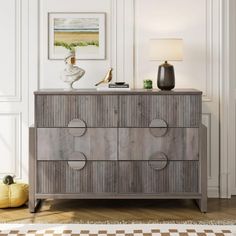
(13, 195)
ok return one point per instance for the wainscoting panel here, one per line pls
(10, 137)
(231, 162)
(206, 120)
(233, 151)
(10, 24)
(232, 96)
(198, 23)
(14, 90)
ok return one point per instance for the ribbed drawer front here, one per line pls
(176, 177)
(175, 110)
(141, 144)
(59, 177)
(59, 110)
(63, 144)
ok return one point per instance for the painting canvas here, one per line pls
(84, 32)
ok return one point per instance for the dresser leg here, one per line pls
(202, 204)
(34, 204)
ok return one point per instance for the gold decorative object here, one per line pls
(107, 78)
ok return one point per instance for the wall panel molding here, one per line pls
(208, 93)
(213, 186)
(17, 59)
(232, 96)
(226, 107)
(13, 148)
(213, 192)
(232, 150)
(17, 94)
(125, 42)
(113, 37)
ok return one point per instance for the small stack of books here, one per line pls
(117, 86)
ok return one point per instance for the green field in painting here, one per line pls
(76, 38)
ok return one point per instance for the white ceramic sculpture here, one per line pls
(71, 73)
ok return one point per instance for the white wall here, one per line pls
(130, 25)
(198, 23)
(119, 29)
(50, 69)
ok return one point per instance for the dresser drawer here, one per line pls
(175, 110)
(77, 143)
(60, 110)
(154, 177)
(60, 177)
(143, 144)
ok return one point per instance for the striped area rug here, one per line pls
(116, 230)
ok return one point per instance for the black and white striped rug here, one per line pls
(116, 230)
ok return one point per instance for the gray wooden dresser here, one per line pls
(126, 144)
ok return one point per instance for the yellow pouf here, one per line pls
(13, 195)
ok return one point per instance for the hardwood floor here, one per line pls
(74, 211)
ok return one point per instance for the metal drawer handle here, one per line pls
(158, 127)
(78, 161)
(158, 161)
(77, 127)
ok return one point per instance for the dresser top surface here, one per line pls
(117, 92)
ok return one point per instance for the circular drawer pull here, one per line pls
(158, 128)
(158, 161)
(77, 127)
(78, 161)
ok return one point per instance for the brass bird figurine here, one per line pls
(107, 78)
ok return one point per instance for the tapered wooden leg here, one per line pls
(34, 204)
(202, 204)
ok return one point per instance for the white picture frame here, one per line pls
(83, 31)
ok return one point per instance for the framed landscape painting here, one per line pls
(84, 32)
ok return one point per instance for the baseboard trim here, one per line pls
(213, 192)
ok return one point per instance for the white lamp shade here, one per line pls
(166, 49)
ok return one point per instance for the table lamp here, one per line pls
(166, 50)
